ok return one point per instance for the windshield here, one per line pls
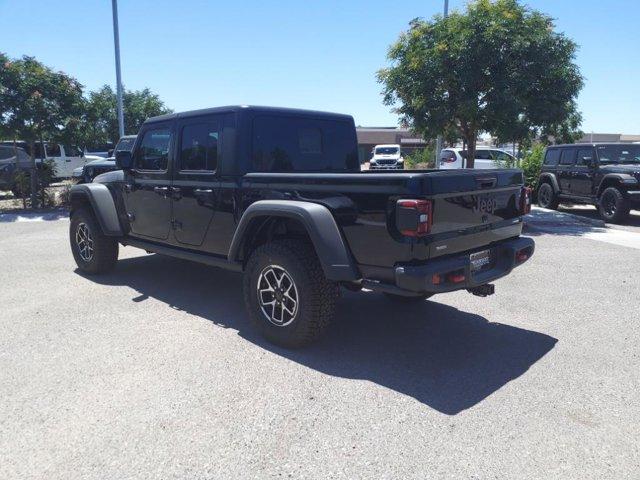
(619, 153)
(386, 151)
(125, 145)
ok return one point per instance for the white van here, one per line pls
(486, 157)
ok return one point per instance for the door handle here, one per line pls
(202, 191)
(128, 187)
(176, 193)
(161, 190)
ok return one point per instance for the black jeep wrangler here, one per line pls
(606, 175)
(278, 195)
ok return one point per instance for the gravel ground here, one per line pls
(152, 372)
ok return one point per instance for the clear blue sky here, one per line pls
(302, 53)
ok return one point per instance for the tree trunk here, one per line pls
(471, 149)
(33, 177)
(43, 200)
(16, 172)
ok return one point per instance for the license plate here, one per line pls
(479, 260)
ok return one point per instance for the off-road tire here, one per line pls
(612, 206)
(105, 249)
(316, 296)
(547, 198)
(404, 299)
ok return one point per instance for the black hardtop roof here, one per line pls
(248, 108)
(595, 144)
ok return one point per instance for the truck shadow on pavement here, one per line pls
(443, 357)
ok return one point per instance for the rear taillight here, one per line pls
(448, 158)
(414, 217)
(525, 200)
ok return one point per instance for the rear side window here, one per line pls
(568, 156)
(199, 147)
(299, 144)
(153, 152)
(552, 157)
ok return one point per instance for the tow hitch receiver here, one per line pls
(483, 290)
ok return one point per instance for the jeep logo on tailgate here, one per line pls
(485, 204)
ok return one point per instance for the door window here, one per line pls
(567, 157)
(153, 152)
(199, 147)
(72, 151)
(483, 155)
(53, 150)
(585, 156)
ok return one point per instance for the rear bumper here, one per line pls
(434, 276)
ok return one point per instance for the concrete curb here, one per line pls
(43, 216)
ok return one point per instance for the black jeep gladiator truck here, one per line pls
(278, 195)
(606, 175)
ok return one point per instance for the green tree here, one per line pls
(36, 104)
(531, 165)
(497, 67)
(100, 123)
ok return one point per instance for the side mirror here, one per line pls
(110, 153)
(590, 162)
(124, 160)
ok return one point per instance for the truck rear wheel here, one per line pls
(289, 300)
(92, 250)
(612, 206)
(547, 198)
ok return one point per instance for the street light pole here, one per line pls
(439, 139)
(116, 43)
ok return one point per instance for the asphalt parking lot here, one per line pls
(152, 372)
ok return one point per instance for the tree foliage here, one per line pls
(100, 123)
(497, 67)
(40, 104)
(36, 104)
(531, 165)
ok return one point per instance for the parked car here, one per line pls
(386, 157)
(65, 158)
(12, 160)
(103, 150)
(606, 175)
(278, 195)
(452, 158)
(90, 170)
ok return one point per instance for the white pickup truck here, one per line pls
(65, 158)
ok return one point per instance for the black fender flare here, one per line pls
(102, 203)
(552, 179)
(337, 262)
(620, 179)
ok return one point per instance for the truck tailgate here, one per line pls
(472, 208)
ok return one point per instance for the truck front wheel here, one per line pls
(290, 301)
(612, 206)
(93, 251)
